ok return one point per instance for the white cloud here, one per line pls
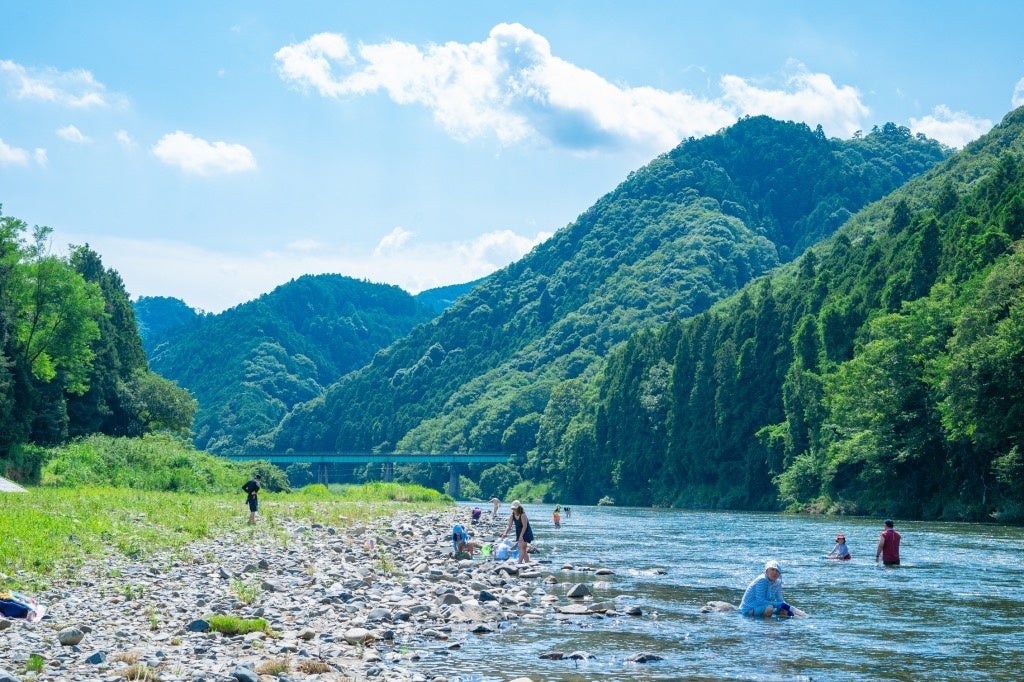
(392, 241)
(12, 155)
(40, 155)
(214, 281)
(76, 88)
(952, 128)
(72, 134)
(1018, 94)
(125, 139)
(510, 86)
(196, 155)
(809, 97)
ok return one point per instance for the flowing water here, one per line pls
(952, 611)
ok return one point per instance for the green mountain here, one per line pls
(441, 298)
(695, 225)
(249, 365)
(882, 373)
(158, 317)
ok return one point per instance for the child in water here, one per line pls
(840, 551)
(557, 516)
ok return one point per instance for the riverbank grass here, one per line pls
(103, 495)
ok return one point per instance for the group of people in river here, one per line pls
(763, 597)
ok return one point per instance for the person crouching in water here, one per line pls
(524, 533)
(764, 595)
(840, 551)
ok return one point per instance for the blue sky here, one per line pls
(214, 150)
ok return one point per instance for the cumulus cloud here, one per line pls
(951, 128)
(76, 88)
(72, 134)
(214, 281)
(40, 155)
(510, 86)
(12, 155)
(809, 97)
(392, 241)
(195, 155)
(1018, 94)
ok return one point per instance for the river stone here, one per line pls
(245, 675)
(717, 607)
(358, 636)
(97, 658)
(574, 609)
(578, 591)
(70, 636)
(7, 677)
(644, 658)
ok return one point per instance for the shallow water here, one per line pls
(951, 611)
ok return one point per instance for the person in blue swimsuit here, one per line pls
(763, 596)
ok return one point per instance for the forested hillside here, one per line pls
(71, 360)
(498, 368)
(249, 365)
(441, 298)
(882, 373)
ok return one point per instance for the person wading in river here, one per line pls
(888, 545)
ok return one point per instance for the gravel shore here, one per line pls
(353, 603)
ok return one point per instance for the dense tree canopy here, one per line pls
(71, 361)
(880, 374)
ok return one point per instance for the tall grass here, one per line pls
(153, 462)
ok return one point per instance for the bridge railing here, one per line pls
(377, 457)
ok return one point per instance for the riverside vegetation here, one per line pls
(132, 497)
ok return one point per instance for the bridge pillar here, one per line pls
(453, 481)
(389, 472)
(321, 473)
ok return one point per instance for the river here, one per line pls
(951, 611)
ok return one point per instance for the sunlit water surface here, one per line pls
(952, 611)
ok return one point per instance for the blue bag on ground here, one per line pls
(14, 605)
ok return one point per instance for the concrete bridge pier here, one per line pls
(321, 473)
(453, 481)
(388, 472)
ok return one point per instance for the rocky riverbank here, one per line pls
(369, 601)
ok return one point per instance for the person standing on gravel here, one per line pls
(252, 489)
(524, 534)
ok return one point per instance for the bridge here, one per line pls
(323, 461)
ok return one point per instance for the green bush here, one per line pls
(152, 462)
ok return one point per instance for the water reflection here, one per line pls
(945, 614)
